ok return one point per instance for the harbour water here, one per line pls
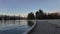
(14, 26)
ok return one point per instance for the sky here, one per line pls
(23, 7)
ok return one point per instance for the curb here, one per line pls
(30, 29)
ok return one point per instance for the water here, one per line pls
(14, 26)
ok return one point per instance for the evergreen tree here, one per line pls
(31, 16)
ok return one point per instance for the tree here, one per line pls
(40, 11)
(31, 16)
(39, 14)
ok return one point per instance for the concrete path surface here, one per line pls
(43, 27)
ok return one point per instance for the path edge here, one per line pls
(30, 29)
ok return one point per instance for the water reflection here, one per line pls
(9, 22)
(30, 23)
(14, 26)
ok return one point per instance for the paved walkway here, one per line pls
(43, 27)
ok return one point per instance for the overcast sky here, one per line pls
(23, 7)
